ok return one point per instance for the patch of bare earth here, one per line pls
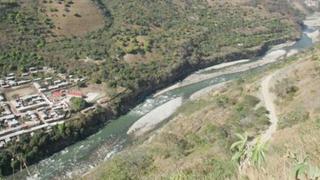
(73, 19)
(13, 93)
(141, 58)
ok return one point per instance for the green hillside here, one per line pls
(135, 48)
(139, 37)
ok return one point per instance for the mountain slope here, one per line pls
(195, 143)
(134, 48)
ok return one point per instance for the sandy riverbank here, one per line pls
(224, 65)
(314, 36)
(198, 77)
(156, 116)
(202, 92)
(149, 121)
(215, 67)
(313, 21)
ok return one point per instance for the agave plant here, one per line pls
(239, 147)
(301, 167)
(258, 154)
(314, 172)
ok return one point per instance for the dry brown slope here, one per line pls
(73, 19)
(297, 136)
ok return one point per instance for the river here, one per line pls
(84, 155)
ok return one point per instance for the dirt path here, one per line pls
(268, 99)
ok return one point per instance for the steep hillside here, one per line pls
(134, 38)
(131, 49)
(202, 140)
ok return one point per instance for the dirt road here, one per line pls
(268, 99)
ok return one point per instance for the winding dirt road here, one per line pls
(268, 99)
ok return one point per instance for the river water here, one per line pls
(84, 155)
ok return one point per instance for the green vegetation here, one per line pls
(303, 169)
(247, 115)
(239, 147)
(172, 33)
(18, 61)
(258, 154)
(130, 166)
(78, 104)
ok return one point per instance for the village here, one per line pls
(38, 99)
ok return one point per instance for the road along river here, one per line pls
(84, 155)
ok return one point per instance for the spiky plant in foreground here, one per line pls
(239, 147)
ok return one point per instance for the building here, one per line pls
(57, 94)
(75, 94)
(1, 98)
(312, 3)
(13, 123)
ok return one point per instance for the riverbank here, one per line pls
(198, 137)
(194, 78)
(312, 20)
(276, 53)
(153, 118)
(129, 100)
(301, 45)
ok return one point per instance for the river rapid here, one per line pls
(79, 158)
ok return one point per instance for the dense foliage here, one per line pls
(160, 36)
(78, 104)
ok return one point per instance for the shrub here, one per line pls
(77, 15)
(285, 88)
(293, 118)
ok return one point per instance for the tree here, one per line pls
(77, 104)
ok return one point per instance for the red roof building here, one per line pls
(57, 94)
(75, 94)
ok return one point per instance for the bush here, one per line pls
(285, 88)
(128, 166)
(77, 15)
(293, 118)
